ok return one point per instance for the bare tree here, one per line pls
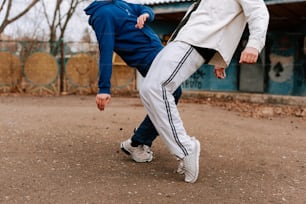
(6, 6)
(57, 21)
(59, 18)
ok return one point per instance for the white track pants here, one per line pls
(172, 66)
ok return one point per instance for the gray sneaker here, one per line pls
(191, 163)
(141, 153)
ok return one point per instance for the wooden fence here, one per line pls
(40, 73)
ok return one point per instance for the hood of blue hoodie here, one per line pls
(89, 10)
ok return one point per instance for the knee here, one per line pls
(144, 90)
(148, 90)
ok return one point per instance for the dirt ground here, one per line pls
(63, 150)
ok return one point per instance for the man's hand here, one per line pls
(249, 55)
(102, 101)
(141, 20)
(220, 72)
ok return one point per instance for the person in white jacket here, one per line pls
(210, 35)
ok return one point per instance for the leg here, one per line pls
(173, 65)
(146, 132)
(138, 147)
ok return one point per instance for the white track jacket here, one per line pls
(219, 25)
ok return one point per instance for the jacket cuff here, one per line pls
(255, 44)
(104, 91)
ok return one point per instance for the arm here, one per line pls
(144, 13)
(140, 9)
(104, 30)
(257, 16)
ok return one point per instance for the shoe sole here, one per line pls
(143, 161)
(197, 150)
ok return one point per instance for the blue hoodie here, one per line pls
(114, 24)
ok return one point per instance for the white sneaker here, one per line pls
(191, 163)
(180, 168)
(141, 153)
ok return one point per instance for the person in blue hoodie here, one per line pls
(121, 27)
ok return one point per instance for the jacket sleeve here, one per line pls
(257, 16)
(140, 9)
(104, 30)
